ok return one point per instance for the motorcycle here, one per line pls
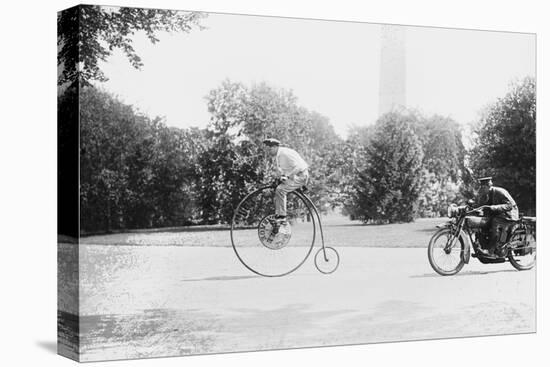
(450, 247)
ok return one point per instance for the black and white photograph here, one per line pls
(232, 182)
(287, 182)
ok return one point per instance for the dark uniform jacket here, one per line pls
(501, 203)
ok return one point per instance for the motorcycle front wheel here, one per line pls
(445, 262)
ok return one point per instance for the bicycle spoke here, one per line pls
(258, 247)
(445, 260)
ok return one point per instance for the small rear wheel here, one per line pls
(327, 260)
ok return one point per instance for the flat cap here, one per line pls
(271, 142)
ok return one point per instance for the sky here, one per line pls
(332, 67)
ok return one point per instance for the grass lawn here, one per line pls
(338, 231)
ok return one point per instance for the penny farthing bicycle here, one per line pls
(267, 250)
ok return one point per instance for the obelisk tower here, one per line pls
(393, 69)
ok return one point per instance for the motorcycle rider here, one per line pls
(498, 204)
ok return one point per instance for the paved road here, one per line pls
(141, 301)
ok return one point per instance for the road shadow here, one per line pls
(192, 332)
(228, 277)
(128, 336)
(463, 274)
(49, 346)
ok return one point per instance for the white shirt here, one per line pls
(289, 162)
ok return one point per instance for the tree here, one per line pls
(436, 194)
(250, 114)
(444, 170)
(135, 172)
(442, 174)
(353, 160)
(442, 144)
(505, 143)
(226, 105)
(227, 172)
(67, 162)
(108, 136)
(387, 189)
(324, 150)
(89, 33)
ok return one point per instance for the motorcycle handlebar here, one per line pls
(478, 210)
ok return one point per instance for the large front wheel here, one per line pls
(263, 246)
(445, 257)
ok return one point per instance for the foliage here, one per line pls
(226, 173)
(443, 170)
(352, 159)
(250, 114)
(134, 172)
(138, 173)
(67, 162)
(89, 33)
(444, 164)
(387, 189)
(226, 106)
(505, 143)
(444, 151)
(436, 195)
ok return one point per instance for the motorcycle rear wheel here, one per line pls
(523, 256)
(445, 263)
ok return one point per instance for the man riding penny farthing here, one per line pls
(273, 228)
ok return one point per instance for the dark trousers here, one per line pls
(499, 230)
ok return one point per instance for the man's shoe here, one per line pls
(500, 251)
(280, 218)
(284, 228)
(279, 221)
(276, 223)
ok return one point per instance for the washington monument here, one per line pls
(393, 69)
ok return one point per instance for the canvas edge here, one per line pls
(68, 220)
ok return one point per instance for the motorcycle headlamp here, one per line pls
(452, 211)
